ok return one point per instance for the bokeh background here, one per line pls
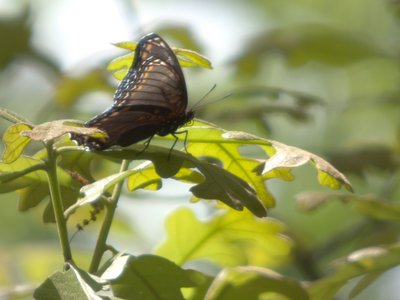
(320, 75)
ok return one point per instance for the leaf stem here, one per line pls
(101, 245)
(57, 203)
(13, 117)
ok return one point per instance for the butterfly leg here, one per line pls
(173, 145)
(184, 141)
(146, 145)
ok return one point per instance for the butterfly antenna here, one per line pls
(222, 98)
(204, 97)
(197, 104)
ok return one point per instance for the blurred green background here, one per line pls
(320, 75)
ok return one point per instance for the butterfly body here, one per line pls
(150, 100)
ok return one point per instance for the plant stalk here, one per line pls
(57, 203)
(101, 245)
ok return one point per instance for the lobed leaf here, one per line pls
(190, 58)
(120, 65)
(364, 282)
(145, 178)
(365, 262)
(226, 186)
(72, 284)
(250, 282)
(286, 157)
(231, 177)
(21, 173)
(77, 164)
(126, 45)
(206, 140)
(26, 175)
(14, 143)
(227, 239)
(149, 277)
(95, 190)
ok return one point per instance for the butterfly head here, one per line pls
(172, 125)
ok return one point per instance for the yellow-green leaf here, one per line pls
(363, 262)
(149, 277)
(126, 45)
(251, 282)
(190, 58)
(20, 173)
(145, 178)
(328, 180)
(14, 142)
(228, 239)
(210, 141)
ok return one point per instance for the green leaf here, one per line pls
(32, 195)
(14, 143)
(190, 58)
(22, 172)
(366, 281)
(227, 239)
(72, 284)
(368, 205)
(251, 282)
(149, 277)
(120, 65)
(243, 180)
(26, 175)
(95, 190)
(231, 189)
(209, 141)
(228, 188)
(78, 164)
(200, 291)
(126, 45)
(145, 178)
(366, 261)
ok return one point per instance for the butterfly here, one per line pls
(151, 99)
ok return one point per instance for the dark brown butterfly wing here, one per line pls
(155, 77)
(151, 99)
